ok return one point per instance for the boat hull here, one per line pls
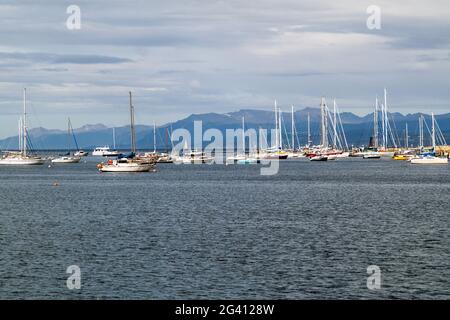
(429, 161)
(21, 161)
(319, 158)
(126, 168)
(66, 160)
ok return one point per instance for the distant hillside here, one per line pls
(358, 129)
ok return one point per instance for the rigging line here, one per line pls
(441, 136)
(395, 130)
(426, 126)
(390, 134)
(285, 131)
(331, 130)
(342, 127)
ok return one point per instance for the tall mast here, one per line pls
(385, 133)
(433, 132)
(24, 125)
(276, 125)
(68, 134)
(133, 137)
(243, 135)
(292, 127)
(407, 136)
(421, 131)
(375, 124)
(154, 137)
(309, 130)
(334, 125)
(20, 134)
(324, 123)
(114, 137)
(280, 144)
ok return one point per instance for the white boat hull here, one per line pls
(126, 167)
(21, 161)
(429, 160)
(81, 154)
(66, 160)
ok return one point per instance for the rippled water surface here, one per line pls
(201, 231)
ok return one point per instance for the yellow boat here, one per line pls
(400, 157)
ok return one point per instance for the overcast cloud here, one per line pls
(183, 57)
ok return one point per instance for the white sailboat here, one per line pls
(67, 158)
(22, 157)
(239, 158)
(430, 158)
(128, 163)
(276, 152)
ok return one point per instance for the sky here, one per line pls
(198, 56)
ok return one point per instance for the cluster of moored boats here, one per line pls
(144, 162)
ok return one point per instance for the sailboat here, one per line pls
(276, 152)
(430, 158)
(67, 158)
(22, 157)
(239, 158)
(129, 162)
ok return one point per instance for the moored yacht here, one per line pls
(129, 162)
(81, 153)
(22, 157)
(105, 151)
(430, 158)
(68, 158)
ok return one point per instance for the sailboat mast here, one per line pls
(68, 134)
(133, 136)
(324, 124)
(280, 145)
(114, 137)
(421, 131)
(276, 125)
(309, 130)
(335, 125)
(24, 125)
(407, 136)
(243, 136)
(292, 128)
(154, 137)
(20, 134)
(385, 133)
(433, 132)
(375, 124)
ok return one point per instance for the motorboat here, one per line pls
(105, 152)
(81, 153)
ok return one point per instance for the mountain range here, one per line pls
(358, 129)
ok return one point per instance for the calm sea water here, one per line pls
(219, 232)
